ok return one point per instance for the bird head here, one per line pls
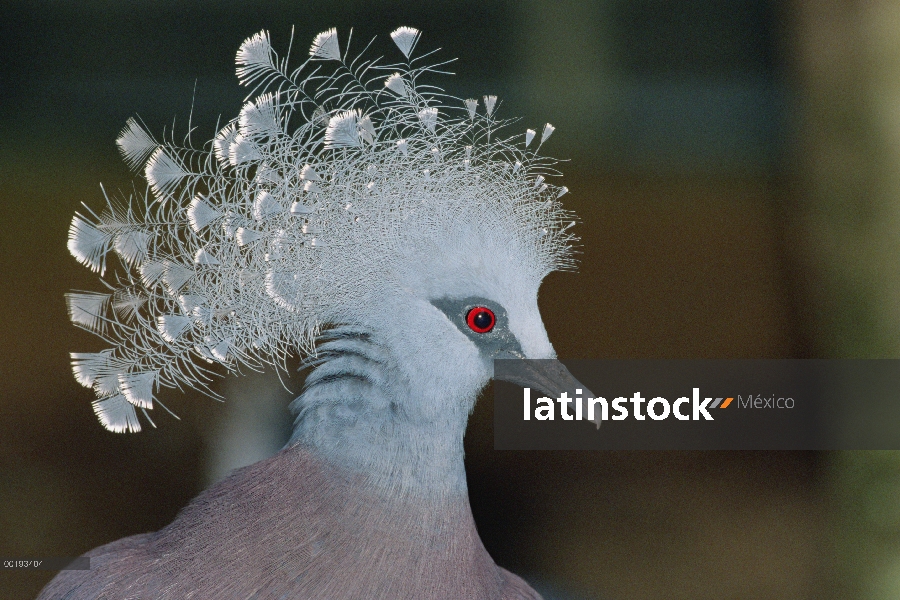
(346, 194)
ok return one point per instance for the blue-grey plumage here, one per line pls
(409, 260)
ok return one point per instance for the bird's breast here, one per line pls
(293, 526)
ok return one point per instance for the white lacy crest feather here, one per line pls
(266, 206)
(200, 214)
(396, 84)
(163, 173)
(117, 414)
(89, 244)
(223, 142)
(489, 103)
(202, 257)
(87, 309)
(342, 130)
(138, 388)
(548, 131)
(135, 144)
(429, 118)
(255, 58)
(337, 180)
(325, 46)
(405, 38)
(259, 119)
(131, 246)
(126, 304)
(471, 107)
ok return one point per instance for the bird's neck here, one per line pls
(361, 414)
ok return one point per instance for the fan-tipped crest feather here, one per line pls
(116, 414)
(255, 58)
(342, 130)
(396, 84)
(87, 309)
(406, 39)
(135, 144)
(163, 173)
(138, 388)
(200, 214)
(89, 244)
(131, 246)
(325, 46)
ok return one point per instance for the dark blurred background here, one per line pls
(735, 167)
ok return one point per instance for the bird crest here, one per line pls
(337, 178)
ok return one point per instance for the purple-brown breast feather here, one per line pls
(292, 526)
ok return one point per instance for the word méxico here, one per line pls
(760, 402)
(598, 409)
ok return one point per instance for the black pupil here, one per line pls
(482, 319)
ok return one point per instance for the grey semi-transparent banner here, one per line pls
(790, 404)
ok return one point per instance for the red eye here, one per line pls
(481, 319)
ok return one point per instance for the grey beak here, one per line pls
(547, 376)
